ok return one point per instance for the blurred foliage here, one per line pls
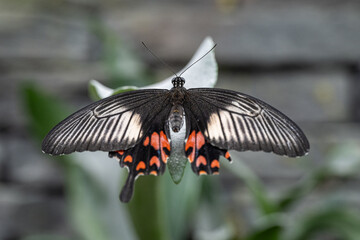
(195, 208)
(121, 65)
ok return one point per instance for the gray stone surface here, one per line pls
(305, 95)
(27, 165)
(25, 212)
(251, 32)
(300, 56)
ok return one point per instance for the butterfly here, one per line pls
(135, 127)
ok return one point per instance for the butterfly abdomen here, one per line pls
(176, 118)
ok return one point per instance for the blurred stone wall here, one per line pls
(300, 56)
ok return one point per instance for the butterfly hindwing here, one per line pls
(232, 120)
(148, 157)
(203, 157)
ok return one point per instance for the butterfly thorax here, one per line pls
(176, 117)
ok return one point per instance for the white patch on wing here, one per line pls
(120, 129)
(134, 128)
(214, 127)
(227, 125)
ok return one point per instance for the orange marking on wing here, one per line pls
(215, 163)
(155, 160)
(190, 143)
(128, 158)
(200, 160)
(155, 141)
(164, 141)
(121, 152)
(202, 172)
(146, 141)
(200, 140)
(153, 173)
(141, 165)
(227, 155)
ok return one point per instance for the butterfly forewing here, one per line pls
(115, 123)
(232, 120)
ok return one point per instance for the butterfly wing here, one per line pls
(232, 120)
(131, 126)
(203, 156)
(148, 157)
(114, 123)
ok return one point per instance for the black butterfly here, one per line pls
(135, 127)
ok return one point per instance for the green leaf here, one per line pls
(121, 65)
(43, 110)
(144, 209)
(268, 233)
(330, 218)
(301, 189)
(85, 196)
(263, 202)
(177, 204)
(211, 222)
(344, 161)
(177, 160)
(91, 201)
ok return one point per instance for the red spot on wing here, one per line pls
(215, 163)
(227, 155)
(141, 165)
(200, 160)
(164, 143)
(155, 141)
(200, 140)
(155, 160)
(190, 143)
(121, 152)
(128, 158)
(146, 141)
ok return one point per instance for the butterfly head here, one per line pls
(178, 82)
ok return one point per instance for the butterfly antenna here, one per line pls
(197, 60)
(159, 59)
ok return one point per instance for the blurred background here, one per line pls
(303, 57)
